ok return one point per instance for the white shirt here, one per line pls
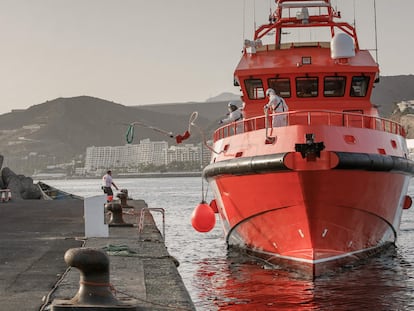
(107, 180)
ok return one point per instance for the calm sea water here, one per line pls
(219, 280)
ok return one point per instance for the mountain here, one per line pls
(60, 130)
(391, 90)
(224, 97)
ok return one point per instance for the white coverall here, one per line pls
(277, 104)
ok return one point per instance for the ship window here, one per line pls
(254, 88)
(280, 85)
(334, 86)
(359, 86)
(307, 87)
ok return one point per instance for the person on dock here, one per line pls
(107, 184)
(277, 104)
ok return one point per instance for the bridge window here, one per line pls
(334, 86)
(281, 86)
(307, 87)
(254, 88)
(359, 86)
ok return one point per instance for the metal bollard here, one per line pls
(95, 289)
(123, 196)
(116, 219)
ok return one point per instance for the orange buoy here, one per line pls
(203, 218)
(407, 202)
(213, 205)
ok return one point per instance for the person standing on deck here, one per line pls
(277, 104)
(234, 114)
(107, 184)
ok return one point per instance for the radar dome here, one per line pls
(342, 46)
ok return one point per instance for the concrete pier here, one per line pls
(34, 236)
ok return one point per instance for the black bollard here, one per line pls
(95, 289)
(116, 219)
(123, 196)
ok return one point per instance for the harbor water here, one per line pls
(221, 280)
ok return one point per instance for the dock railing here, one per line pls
(141, 219)
(314, 117)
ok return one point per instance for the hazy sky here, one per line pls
(136, 52)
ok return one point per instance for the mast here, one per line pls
(302, 19)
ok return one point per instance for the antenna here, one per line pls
(254, 14)
(244, 20)
(376, 34)
(354, 15)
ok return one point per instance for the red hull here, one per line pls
(311, 217)
(313, 214)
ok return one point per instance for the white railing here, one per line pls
(314, 117)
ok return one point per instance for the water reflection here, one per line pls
(234, 283)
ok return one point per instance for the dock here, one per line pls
(35, 235)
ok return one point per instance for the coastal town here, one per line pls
(132, 160)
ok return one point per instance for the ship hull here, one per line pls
(311, 221)
(327, 185)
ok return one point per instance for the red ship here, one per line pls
(328, 186)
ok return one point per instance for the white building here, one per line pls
(128, 157)
(151, 152)
(99, 159)
(185, 153)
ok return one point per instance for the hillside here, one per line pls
(64, 127)
(391, 90)
(60, 130)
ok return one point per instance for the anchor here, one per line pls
(310, 150)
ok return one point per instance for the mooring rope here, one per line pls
(131, 129)
(179, 138)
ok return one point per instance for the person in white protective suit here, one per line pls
(276, 105)
(234, 114)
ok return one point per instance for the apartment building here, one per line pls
(130, 157)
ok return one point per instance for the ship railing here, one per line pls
(313, 117)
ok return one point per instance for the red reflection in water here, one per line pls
(234, 284)
(248, 286)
